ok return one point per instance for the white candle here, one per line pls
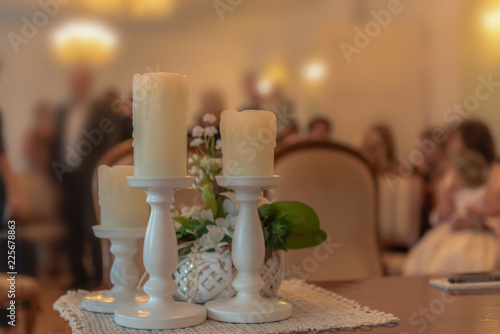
(121, 205)
(160, 124)
(248, 142)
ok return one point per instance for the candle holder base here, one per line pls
(104, 302)
(248, 252)
(161, 315)
(243, 310)
(124, 273)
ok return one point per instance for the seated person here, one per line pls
(320, 129)
(461, 241)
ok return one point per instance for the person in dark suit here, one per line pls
(84, 131)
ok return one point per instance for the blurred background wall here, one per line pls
(410, 73)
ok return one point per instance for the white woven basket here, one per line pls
(207, 276)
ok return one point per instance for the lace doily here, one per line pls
(314, 309)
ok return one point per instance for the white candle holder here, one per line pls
(248, 252)
(124, 273)
(160, 261)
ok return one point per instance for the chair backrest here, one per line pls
(123, 154)
(400, 205)
(340, 186)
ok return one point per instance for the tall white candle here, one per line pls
(248, 142)
(121, 205)
(160, 124)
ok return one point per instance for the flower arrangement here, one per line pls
(210, 227)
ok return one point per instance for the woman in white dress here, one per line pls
(462, 239)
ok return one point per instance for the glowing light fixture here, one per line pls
(84, 43)
(491, 20)
(264, 86)
(134, 8)
(314, 71)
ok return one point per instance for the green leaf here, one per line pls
(209, 200)
(227, 239)
(275, 244)
(280, 227)
(184, 251)
(266, 234)
(220, 207)
(305, 240)
(300, 216)
(181, 220)
(267, 213)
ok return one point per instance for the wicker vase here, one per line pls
(206, 276)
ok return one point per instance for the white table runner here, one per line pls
(314, 309)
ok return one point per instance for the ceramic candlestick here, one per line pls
(160, 261)
(248, 252)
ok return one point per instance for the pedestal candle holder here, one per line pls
(124, 273)
(160, 261)
(248, 252)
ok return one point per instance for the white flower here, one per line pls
(212, 239)
(190, 160)
(207, 215)
(196, 142)
(210, 131)
(209, 118)
(218, 162)
(226, 225)
(191, 212)
(218, 144)
(197, 131)
(221, 223)
(193, 171)
(205, 162)
(229, 206)
(231, 221)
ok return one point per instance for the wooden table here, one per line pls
(422, 308)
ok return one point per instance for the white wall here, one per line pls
(407, 76)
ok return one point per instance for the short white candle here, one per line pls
(160, 124)
(121, 205)
(248, 142)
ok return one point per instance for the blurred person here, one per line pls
(10, 208)
(462, 239)
(10, 200)
(38, 140)
(283, 109)
(293, 136)
(320, 129)
(85, 129)
(122, 107)
(431, 171)
(399, 202)
(378, 148)
(211, 102)
(251, 91)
